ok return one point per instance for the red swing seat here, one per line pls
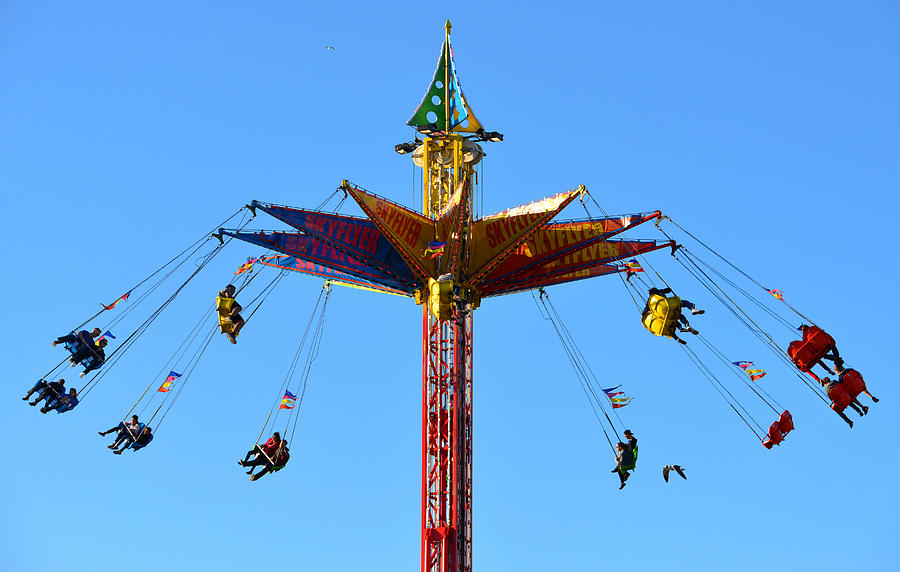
(813, 347)
(840, 397)
(779, 430)
(853, 382)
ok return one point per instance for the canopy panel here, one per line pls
(582, 263)
(311, 249)
(357, 237)
(313, 269)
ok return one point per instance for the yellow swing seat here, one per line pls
(663, 316)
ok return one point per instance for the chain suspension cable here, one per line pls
(711, 378)
(728, 262)
(694, 269)
(195, 359)
(137, 333)
(285, 384)
(200, 240)
(572, 354)
(708, 374)
(315, 345)
(768, 399)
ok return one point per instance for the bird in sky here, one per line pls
(669, 468)
(329, 48)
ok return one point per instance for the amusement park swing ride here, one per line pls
(449, 262)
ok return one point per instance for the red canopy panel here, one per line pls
(565, 266)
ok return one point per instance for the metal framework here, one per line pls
(446, 385)
(447, 444)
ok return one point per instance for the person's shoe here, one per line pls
(865, 409)
(101, 433)
(53, 344)
(44, 410)
(693, 331)
(110, 446)
(622, 486)
(682, 342)
(697, 312)
(874, 400)
(117, 452)
(27, 396)
(253, 477)
(241, 462)
(850, 423)
(231, 338)
(32, 403)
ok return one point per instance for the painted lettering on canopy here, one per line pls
(355, 234)
(546, 242)
(314, 248)
(403, 225)
(507, 228)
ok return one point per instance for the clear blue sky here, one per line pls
(769, 129)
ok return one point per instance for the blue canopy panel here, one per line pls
(311, 249)
(358, 237)
(313, 269)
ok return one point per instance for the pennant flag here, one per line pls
(167, 384)
(122, 298)
(753, 373)
(756, 374)
(634, 266)
(616, 401)
(247, 266)
(434, 249)
(106, 334)
(287, 402)
(777, 293)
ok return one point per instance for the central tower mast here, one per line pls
(448, 162)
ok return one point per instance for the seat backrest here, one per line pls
(854, 382)
(814, 345)
(786, 422)
(775, 433)
(224, 305)
(839, 396)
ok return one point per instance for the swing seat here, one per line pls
(839, 396)
(223, 307)
(663, 316)
(779, 430)
(74, 347)
(633, 463)
(853, 382)
(812, 348)
(787, 422)
(775, 437)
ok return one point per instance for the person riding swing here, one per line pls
(663, 315)
(230, 320)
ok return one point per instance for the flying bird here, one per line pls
(669, 468)
(330, 48)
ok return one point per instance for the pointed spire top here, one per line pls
(444, 106)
